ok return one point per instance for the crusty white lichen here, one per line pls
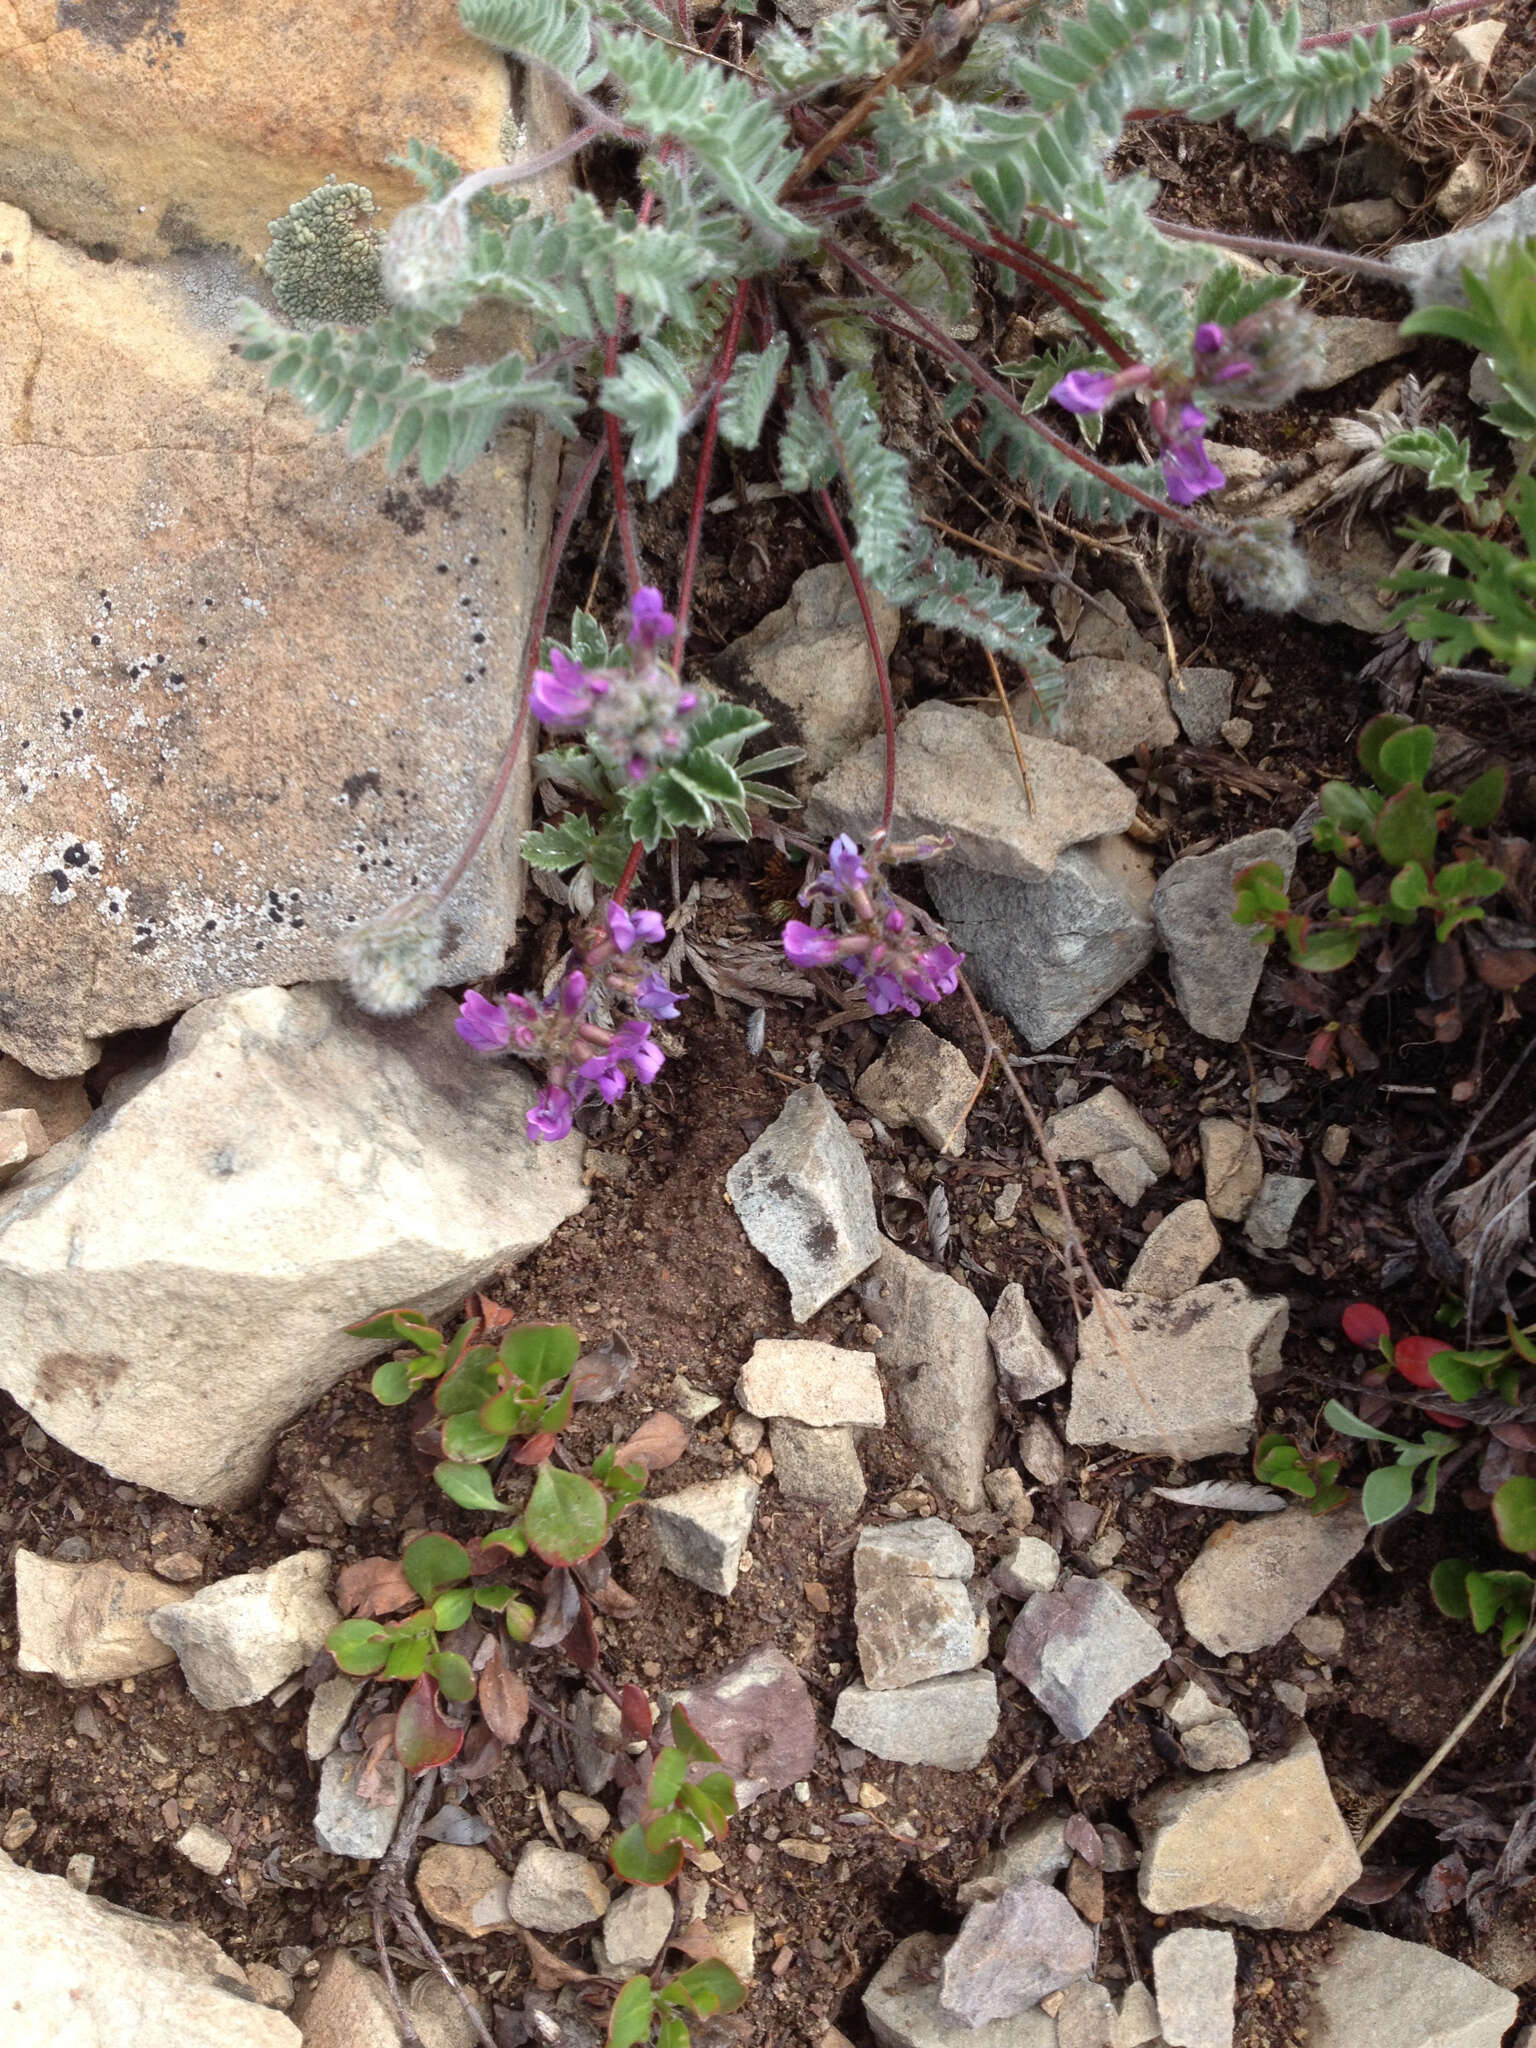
(324, 258)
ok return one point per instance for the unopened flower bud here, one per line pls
(1260, 564)
(426, 253)
(1264, 360)
(392, 962)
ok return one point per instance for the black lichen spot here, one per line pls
(75, 856)
(356, 786)
(403, 509)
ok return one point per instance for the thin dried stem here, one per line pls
(1013, 730)
(882, 673)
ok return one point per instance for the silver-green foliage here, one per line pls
(1014, 142)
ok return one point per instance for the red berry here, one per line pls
(1412, 1355)
(1364, 1323)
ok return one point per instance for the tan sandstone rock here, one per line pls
(249, 689)
(88, 1624)
(167, 125)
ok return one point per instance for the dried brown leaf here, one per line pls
(503, 1699)
(659, 1442)
(373, 1586)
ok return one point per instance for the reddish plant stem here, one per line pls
(1395, 22)
(631, 869)
(882, 673)
(1290, 252)
(615, 446)
(1027, 268)
(536, 624)
(1034, 256)
(722, 370)
(962, 359)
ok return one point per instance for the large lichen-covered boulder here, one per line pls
(250, 691)
(152, 126)
(177, 1278)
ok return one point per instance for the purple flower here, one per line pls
(650, 621)
(1209, 338)
(604, 1070)
(564, 693)
(644, 928)
(843, 859)
(1188, 470)
(573, 993)
(632, 1042)
(550, 1116)
(482, 1024)
(1085, 390)
(936, 973)
(655, 999)
(884, 993)
(806, 946)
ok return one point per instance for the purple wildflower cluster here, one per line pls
(897, 965)
(635, 717)
(579, 1056)
(1253, 366)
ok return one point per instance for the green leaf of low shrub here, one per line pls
(467, 1440)
(668, 1774)
(423, 1737)
(1342, 893)
(690, 1741)
(1348, 808)
(1448, 1587)
(1409, 888)
(453, 1674)
(1404, 757)
(1386, 1492)
(1407, 829)
(1323, 951)
(359, 1647)
(566, 1518)
(1514, 1514)
(708, 1988)
(392, 1382)
(637, 1864)
(633, 2011)
(469, 1486)
(408, 1657)
(398, 1326)
(539, 1353)
(433, 1561)
(450, 1610)
(1374, 737)
(1481, 801)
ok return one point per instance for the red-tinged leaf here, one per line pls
(659, 1442)
(549, 1971)
(667, 1777)
(492, 1316)
(638, 1864)
(423, 1736)
(1378, 1883)
(690, 1741)
(562, 1605)
(374, 1585)
(635, 1714)
(1505, 969)
(1446, 1884)
(1411, 1356)
(1363, 1324)
(633, 2011)
(503, 1699)
(432, 1562)
(566, 1517)
(536, 1449)
(1520, 1436)
(1320, 1052)
(581, 1643)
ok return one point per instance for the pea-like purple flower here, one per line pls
(653, 998)
(627, 931)
(879, 942)
(565, 693)
(1083, 391)
(808, 945)
(550, 1116)
(650, 621)
(482, 1024)
(1188, 469)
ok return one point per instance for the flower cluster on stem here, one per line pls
(582, 1057)
(1253, 366)
(898, 959)
(635, 717)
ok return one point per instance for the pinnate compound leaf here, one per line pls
(432, 1562)
(633, 2011)
(566, 1518)
(423, 1737)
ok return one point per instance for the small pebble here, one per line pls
(79, 1871)
(746, 1434)
(1237, 732)
(205, 1849)
(1335, 1144)
(19, 1829)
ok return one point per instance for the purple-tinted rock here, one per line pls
(1012, 1952)
(760, 1717)
(1078, 1648)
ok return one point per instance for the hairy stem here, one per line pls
(882, 673)
(1307, 254)
(706, 459)
(536, 625)
(1397, 22)
(962, 359)
(631, 869)
(525, 168)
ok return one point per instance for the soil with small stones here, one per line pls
(117, 1772)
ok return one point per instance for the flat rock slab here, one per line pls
(1105, 1129)
(1176, 1254)
(1195, 1969)
(1399, 1994)
(701, 1531)
(463, 1888)
(1013, 1951)
(948, 1722)
(88, 1624)
(1264, 1846)
(78, 1970)
(267, 714)
(939, 1370)
(241, 1636)
(922, 1080)
(759, 1715)
(1037, 1849)
(554, 1890)
(1047, 954)
(956, 773)
(1079, 1648)
(913, 1611)
(1253, 1581)
(1174, 1377)
(804, 1197)
(1214, 964)
(291, 1167)
(903, 2010)
(817, 1465)
(347, 1824)
(819, 1384)
(1109, 709)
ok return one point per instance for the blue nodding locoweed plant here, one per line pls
(791, 211)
